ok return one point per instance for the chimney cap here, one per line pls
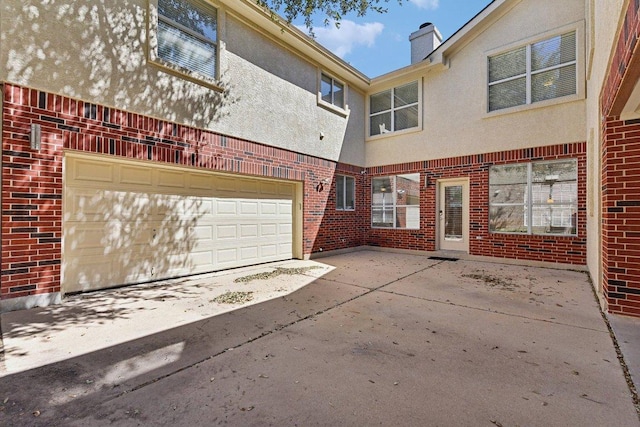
(426, 24)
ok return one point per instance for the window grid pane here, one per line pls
(394, 109)
(553, 84)
(340, 192)
(187, 36)
(509, 64)
(326, 89)
(551, 207)
(380, 102)
(553, 52)
(186, 51)
(396, 201)
(508, 94)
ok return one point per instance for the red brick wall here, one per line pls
(32, 185)
(558, 249)
(621, 216)
(32, 180)
(620, 230)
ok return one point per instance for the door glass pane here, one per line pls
(453, 212)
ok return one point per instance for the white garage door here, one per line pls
(129, 222)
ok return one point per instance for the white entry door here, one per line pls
(453, 215)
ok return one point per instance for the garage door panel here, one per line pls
(285, 208)
(226, 207)
(130, 222)
(200, 181)
(136, 175)
(284, 249)
(269, 251)
(226, 255)
(285, 229)
(268, 208)
(249, 254)
(171, 179)
(269, 188)
(227, 232)
(268, 230)
(249, 208)
(226, 184)
(249, 187)
(248, 231)
(92, 171)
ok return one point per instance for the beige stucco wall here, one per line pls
(604, 20)
(97, 51)
(455, 121)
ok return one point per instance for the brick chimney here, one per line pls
(424, 41)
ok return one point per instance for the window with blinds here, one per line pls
(533, 73)
(534, 198)
(395, 201)
(187, 36)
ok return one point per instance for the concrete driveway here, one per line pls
(371, 338)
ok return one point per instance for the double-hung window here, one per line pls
(395, 201)
(534, 198)
(332, 91)
(394, 109)
(345, 193)
(533, 73)
(187, 36)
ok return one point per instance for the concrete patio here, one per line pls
(363, 338)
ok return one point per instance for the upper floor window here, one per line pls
(395, 201)
(187, 36)
(394, 109)
(534, 198)
(345, 193)
(533, 73)
(331, 91)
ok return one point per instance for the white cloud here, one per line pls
(426, 4)
(341, 41)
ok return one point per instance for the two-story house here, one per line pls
(159, 138)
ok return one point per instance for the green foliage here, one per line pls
(333, 10)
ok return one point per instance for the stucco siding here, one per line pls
(97, 52)
(455, 119)
(604, 22)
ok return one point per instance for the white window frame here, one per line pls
(344, 180)
(530, 202)
(393, 205)
(331, 105)
(393, 109)
(173, 68)
(580, 94)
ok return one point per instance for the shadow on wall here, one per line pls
(98, 50)
(123, 237)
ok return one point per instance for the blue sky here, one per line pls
(378, 43)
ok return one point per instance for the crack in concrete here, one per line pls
(495, 312)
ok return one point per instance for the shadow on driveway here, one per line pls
(384, 338)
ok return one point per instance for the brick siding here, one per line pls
(32, 180)
(32, 185)
(620, 147)
(557, 249)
